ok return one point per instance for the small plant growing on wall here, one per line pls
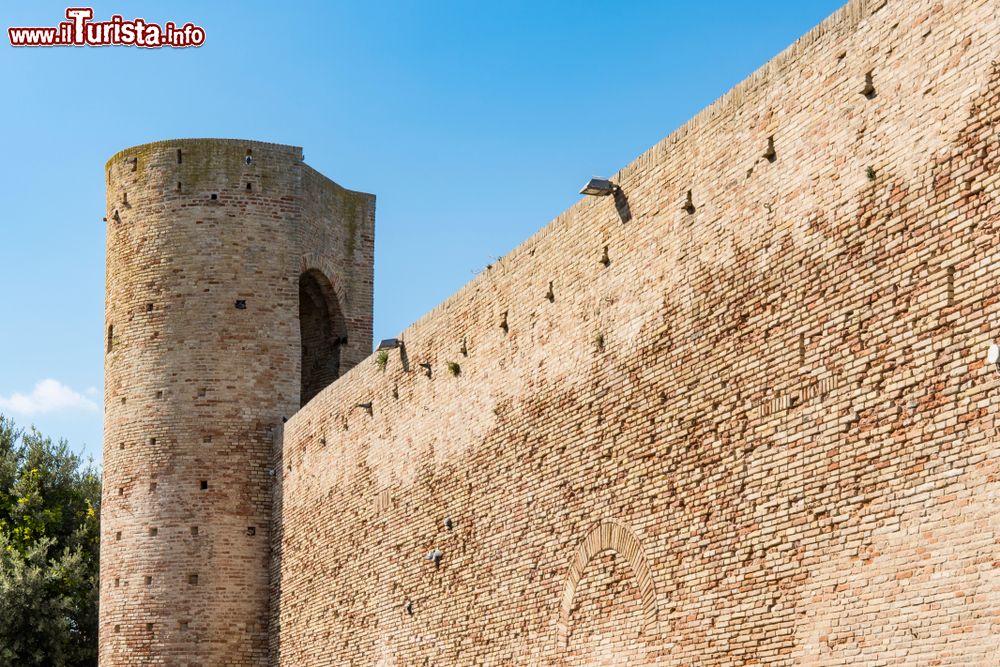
(381, 359)
(870, 172)
(454, 368)
(599, 341)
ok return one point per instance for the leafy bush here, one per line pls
(49, 544)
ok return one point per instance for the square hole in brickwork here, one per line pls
(149, 580)
(869, 88)
(159, 393)
(117, 582)
(118, 536)
(118, 628)
(121, 491)
(204, 484)
(251, 531)
(152, 487)
(214, 196)
(689, 202)
(194, 531)
(153, 532)
(183, 625)
(193, 579)
(149, 307)
(249, 186)
(152, 442)
(121, 445)
(149, 627)
(124, 197)
(203, 392)
(769, 153)
(123, 400)
(207, 439)
(180, 156)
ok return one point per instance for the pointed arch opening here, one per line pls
(323, 333)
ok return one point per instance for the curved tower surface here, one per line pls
(239, 284)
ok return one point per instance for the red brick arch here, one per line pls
(609, 535)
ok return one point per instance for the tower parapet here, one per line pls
(239, 284)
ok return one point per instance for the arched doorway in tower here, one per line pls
(323, 333)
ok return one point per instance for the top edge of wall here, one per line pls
(173, 143)
(845, 19)
(331, 184)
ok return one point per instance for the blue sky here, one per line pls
(473, 122)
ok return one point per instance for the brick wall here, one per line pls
(206, 242)
(755, 429)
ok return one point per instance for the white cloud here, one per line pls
(48, 396)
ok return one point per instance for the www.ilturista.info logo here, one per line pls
(79, 30)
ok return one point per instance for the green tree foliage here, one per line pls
(49, 538)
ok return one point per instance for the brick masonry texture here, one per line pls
(756, 432)
(737, 414)
(207, 240)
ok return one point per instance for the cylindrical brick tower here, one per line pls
(239, 284)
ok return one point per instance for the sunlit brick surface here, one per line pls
(207, 240)
(780, 391)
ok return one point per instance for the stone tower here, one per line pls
(239, 284)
